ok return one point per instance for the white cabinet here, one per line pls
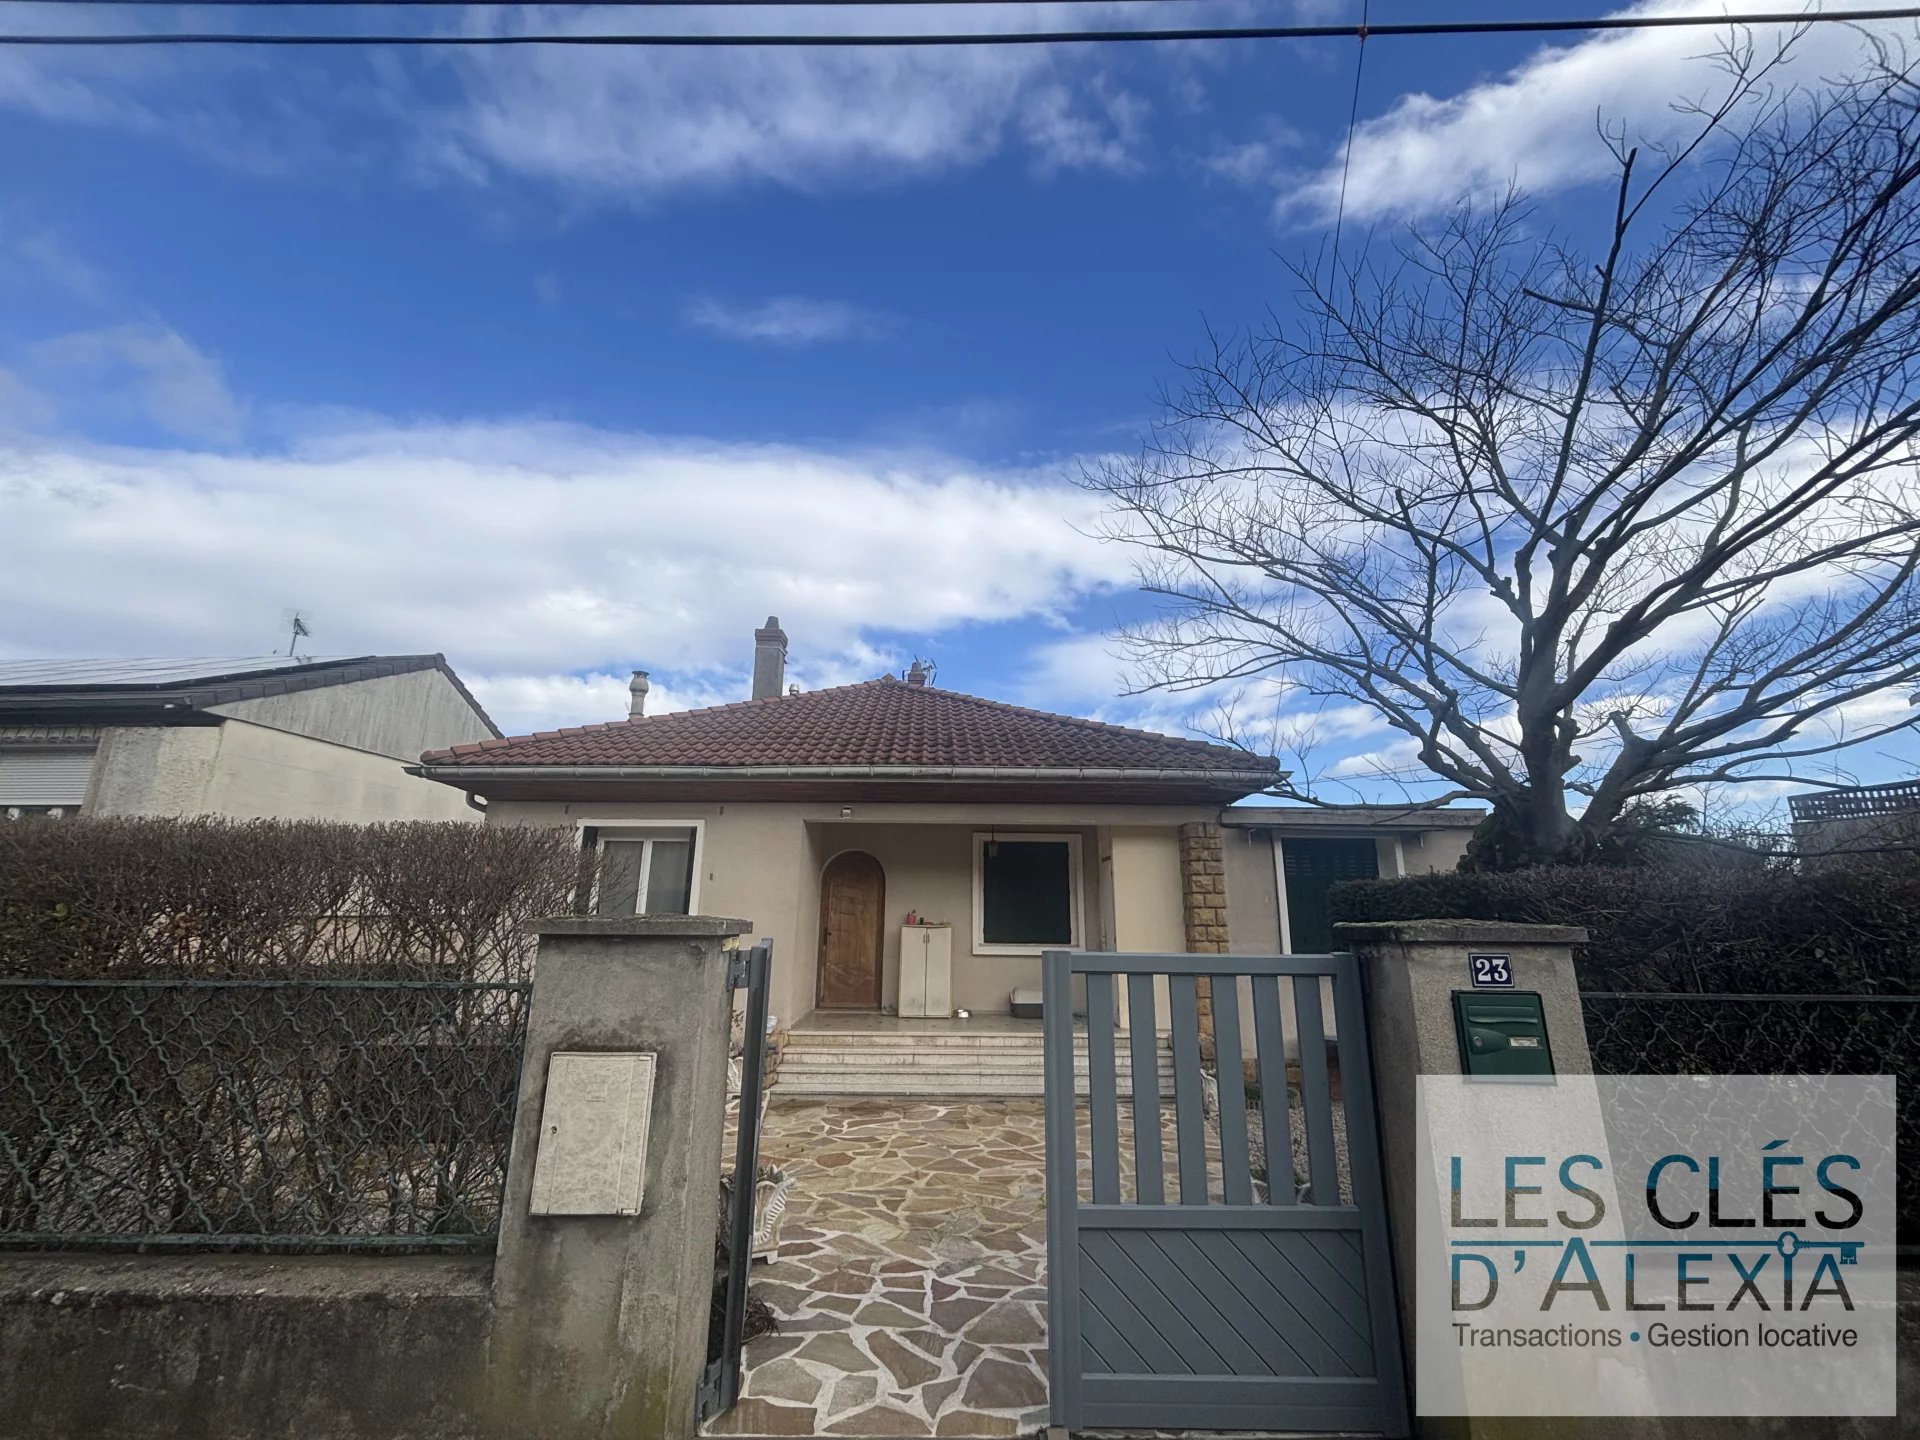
(926, 970)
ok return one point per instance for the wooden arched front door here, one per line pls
(853, 900)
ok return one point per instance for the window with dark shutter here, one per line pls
(1313, 867)
(1027, 891)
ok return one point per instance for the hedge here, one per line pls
(1772, 928)
(205, 898)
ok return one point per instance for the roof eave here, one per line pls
(1334, 817)
(851, 772)
(81, 709)
(1210, 784)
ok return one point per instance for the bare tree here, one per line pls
(1587, 526)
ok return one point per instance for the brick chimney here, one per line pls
(769, 659)
(637, 695)
(918, 674)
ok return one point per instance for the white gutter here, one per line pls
(1254, 779)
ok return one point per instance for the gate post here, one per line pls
(1409, 971)
(600, 1320)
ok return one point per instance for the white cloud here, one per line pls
(520, 704)
(49, 256)
(640, 124)
(1102, 129)
(788, 320)
(144, 368)
(1077, 667)
(22, 407)
(542, 558)
(1260, 162)
(1535, 125)
(643, 123)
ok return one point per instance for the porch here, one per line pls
(992, 896)
(841, 1053)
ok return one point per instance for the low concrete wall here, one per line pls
(320, 1347)
(581, 1327)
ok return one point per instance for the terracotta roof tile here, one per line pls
(878, 722)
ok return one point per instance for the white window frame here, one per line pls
(643, 822)
(1076, 890)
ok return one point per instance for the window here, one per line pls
(1026, 892)
(644, 871)
(44, 782)
(1313, 867)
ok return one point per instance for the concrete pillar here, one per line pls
(600, 1321)
(1409, 971)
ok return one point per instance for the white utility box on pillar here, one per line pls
(926, 971)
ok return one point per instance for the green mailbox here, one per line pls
(1502, 1034)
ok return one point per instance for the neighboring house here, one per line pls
(276, 737)
(827, 817)
(1861, 818)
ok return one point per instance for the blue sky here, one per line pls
(567, 362)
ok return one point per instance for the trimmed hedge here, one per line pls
(205, 898)
(1772, 928)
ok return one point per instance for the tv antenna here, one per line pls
(296, 622)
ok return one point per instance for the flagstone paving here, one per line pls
(910, 1281)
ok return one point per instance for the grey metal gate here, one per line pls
(733, 1259)
(1261, 1298)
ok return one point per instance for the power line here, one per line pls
(568, 4)
(1353, 121)
(1022, 37)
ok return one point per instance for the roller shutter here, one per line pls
(45, 778)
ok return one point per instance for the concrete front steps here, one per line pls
(908, 1064)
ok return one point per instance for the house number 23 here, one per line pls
(1491, 972)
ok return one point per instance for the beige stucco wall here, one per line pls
(761, 861)
(1435, 849)
(250, 772)
(1149, 911)
(396, 715)
(1253, 912)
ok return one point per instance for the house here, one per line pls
(1859, 818)
(276, 737)
(828, 818)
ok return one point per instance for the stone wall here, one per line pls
(1203, 891)
(1203, 887)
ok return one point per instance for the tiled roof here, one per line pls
(884, 722)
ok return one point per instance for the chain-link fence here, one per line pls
(256, 1114)
(1691, 1034)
